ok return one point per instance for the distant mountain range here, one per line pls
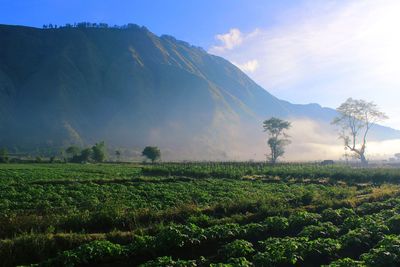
(131, 88)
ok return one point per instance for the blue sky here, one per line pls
(194, 21)
(321, 51)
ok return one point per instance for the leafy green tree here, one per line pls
(38, 159)
(278, 139)
(356, 117)
(99, 152)
(85, 155)
(73, 151)
(4, 156)
(118, 155)
(153, 153)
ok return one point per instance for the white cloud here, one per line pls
(326, 53)
(249, 66)
(229, 40)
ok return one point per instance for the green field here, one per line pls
(198, 214)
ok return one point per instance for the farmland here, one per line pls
(198, 214)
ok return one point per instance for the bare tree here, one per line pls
(278, 139)
(356, 117)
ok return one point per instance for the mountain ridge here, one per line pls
(128, 87)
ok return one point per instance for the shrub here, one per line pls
(233, 262)
(254, 231)
(280, 252)
(91, 253)
(277, 225)
(325, 230)
(394, 224)
(236, 249)
(346, 262)
(321, 251)
(385, 254)
(168, 261)
(303, 218)
(356, 242)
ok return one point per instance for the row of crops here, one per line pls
(197, 214)
(365, 236)
(285, 172)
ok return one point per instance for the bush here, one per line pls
(234, 262)
(385, 254)
(280, 252)
(394, 224)
(176, 236)
(346, 262)
(4, 156)
(321, 230)
(277, 225)
(239, 262)
(168, 261)
(236, 249)
(356, 242)
(91, 253)
(331, 215)
(303, 218)
(321, 251)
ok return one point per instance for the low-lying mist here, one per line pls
(241, 141)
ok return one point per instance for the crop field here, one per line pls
(198, 214)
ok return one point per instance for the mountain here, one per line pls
(131, 88)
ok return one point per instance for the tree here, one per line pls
(152, 153)
(73, 151)
(356, 117)
(118, 155)
(278, 139)
(85, 155)
(4, 156)
(99, 152)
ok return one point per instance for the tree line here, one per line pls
(85, 25)
(98, 153)
(75, 154)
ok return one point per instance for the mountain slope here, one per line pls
(130, 88)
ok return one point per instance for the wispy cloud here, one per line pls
(249, 66)
(326, 54)
(228, 41)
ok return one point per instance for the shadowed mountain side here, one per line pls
(130, 88)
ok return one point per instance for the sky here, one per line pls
(304, 51)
